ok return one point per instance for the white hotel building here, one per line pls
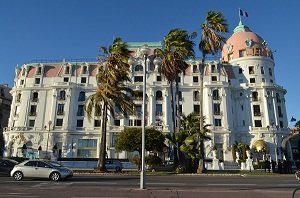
(242, 102)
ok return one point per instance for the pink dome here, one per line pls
(244, 43)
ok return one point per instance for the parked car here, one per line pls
(40, 169)
(6, 165)
(297, 174)
(165, 166)
(113, 165)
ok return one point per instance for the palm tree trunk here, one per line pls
(175, 149)
(201, 166)
(102, 153)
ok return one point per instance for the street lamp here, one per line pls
(49, 124)
(144, 51)
(275, 141)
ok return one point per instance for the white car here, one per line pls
(40, 169)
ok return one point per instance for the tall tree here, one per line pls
(178, 46)
(111, 91)
(212, 39)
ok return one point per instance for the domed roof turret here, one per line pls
(244, 42)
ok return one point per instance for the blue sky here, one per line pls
(56, 29)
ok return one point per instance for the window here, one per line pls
(138, 110)
(179, 79)
(22, 82)
(59, 122)
(216, 95)
(217, 110)
(214, 78)
(270, 72)
(138, 95)
(81, 96)
(257, 123)
(17, 110)
(159, 95)
(32, 110)
(251, 70)
(257, 52)
(158, 78)
(280, 124)
(79, 123)
(242, 53)
(138, 123)
(180, 95)
(87, 148)
(195, 69)
(278, 100)
(117, 122)
(83, 79)
(97, 123)
(197, 109)
(35, 96)
(67, 70)
(18, 99)
(138, 79)
(60, 109)
(62, 95)
(37, 81)
(213, 69)
(255, 96)
(80, 111)
(130, 122)
(256, 110)
(39, 71)
(271, 81)
(280, 114)
(180, 109)
(217, 122)
(244, 123)
(242, 107)
(159, 110)
(263, 80)
(262, 70)
(113, 139)
(195, 79)
(66, 79)
(31, 123)
(138, 68)
(252, 80)
(84, 70)
(240, 70)
(196, 96)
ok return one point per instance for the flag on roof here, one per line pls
(293, 119)
(243, 13)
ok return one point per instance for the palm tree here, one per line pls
(111, 91)
(178, 46)
(212, 38)
(191, 130)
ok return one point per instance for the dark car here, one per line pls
(6, 165)
(165, 166)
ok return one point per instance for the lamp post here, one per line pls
(144, 51)
(275, 142)
(49, 124)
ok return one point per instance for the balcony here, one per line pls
(60, 113)
(32, 113)
(159, 113)
(257, 113)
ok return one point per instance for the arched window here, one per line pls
(62, 95)
(84, 69)
(138, 68)
(216, 95)
(81, 96)
(35, 96)
(159, 95)
(67, 70)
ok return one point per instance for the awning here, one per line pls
(260, 145)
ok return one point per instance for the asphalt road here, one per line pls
(92, 186)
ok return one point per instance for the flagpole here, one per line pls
(240, 15)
